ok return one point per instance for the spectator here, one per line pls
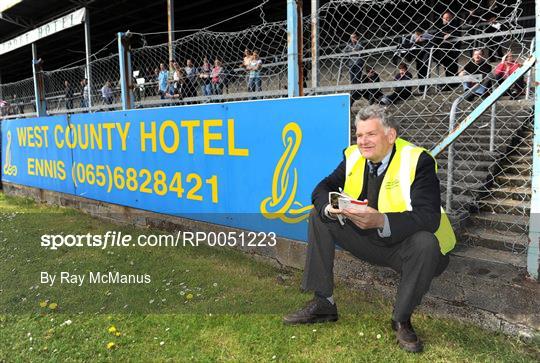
(373, 95)
(204, 75)
(502, 71)
(246, 61)
(85, 93)
(413, 47)
(216, 77)
(68, 95)
(355, 63)
(163, 78)
(190, 79)
(178, 83)
(444, 38)
(399, 93)
(254, 68)
(107, 93)
(4, 107)
(477, 65)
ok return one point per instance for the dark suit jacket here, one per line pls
(425, 201)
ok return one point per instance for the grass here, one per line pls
(204, 304)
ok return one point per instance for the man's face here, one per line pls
(189, 63)
(372, 140)
(354, 38)
(446, 18)
(402, 71)
(162, 66)
(477, 57)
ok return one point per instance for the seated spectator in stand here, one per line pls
(400, 93)
(448, 52)
(477, 65)
(163, 78)
(4, 107)
(414, 47)
(502, 71)
(204, 75)
(254, 68)
(107, 93)
(373, 95)
(190, 79)
(216, 76)
(68, 95)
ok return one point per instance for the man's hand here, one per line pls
(370, 218)
(333, 212)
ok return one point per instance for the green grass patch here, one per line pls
(203, 304)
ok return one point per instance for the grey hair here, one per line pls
(378, 112)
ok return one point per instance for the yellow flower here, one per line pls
(111, 345)
(189, 296)
(42, 304)
(112, 329)
(53, 306)
(117, 333)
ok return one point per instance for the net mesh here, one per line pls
(417, 58)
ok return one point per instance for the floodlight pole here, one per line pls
(170, 26)
(87, 51)
(126, 74)
(39, 86)
(293, 88)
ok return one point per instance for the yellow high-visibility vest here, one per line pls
(395, 192)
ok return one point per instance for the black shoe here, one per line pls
(406, 336)
(318, 310)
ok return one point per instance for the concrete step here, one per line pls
(522, 168)
(492, 257)
(503, 240)
(520, 194)
(464, 176)
(467, 165)
(500, 221)
(512, 180)
(505, 206)
(519, 159)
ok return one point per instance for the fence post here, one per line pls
(87, 51)
(124, 58)
(533, 255)
(39, 87)
(314, 45)
(292, 49)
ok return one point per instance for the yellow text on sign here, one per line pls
(170, 136)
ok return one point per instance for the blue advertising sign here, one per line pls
(251, 164)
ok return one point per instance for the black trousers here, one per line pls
(418, 259)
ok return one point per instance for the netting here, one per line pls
(417, 58)
(216, 68)
(443, 54)
(17, 98)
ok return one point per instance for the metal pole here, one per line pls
(124, 58)
(428, 74)
(39, 94)
(314, 45)
(450, 167)
(88, 50)
(292, 49)
(300, 48)
(530, 74)
(492, 129)
(533, 253)
(170, 27)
